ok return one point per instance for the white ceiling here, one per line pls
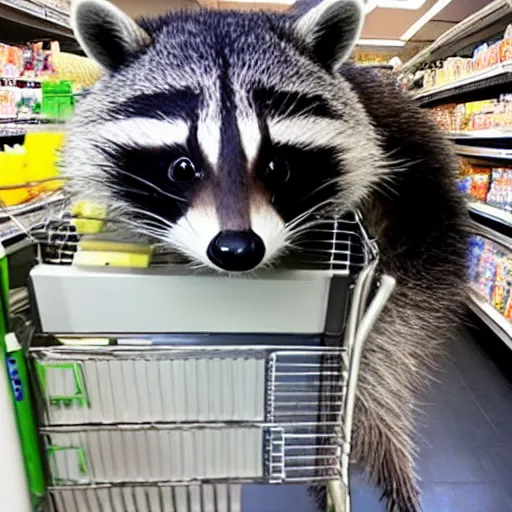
(386, 21)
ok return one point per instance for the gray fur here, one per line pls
(387, 159)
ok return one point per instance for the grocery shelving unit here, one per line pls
(26, 20)
(490, 20)
(490, 147)
(493, 145)
(482, 135)
(474, 87)
(491, 317)
(485, 153)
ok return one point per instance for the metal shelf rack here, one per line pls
(483, 153)
(26, 20)
(500, 325)
(491, 222)
(488, 21)
(484, 84)
(485, 146)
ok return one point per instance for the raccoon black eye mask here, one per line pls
(220, 133)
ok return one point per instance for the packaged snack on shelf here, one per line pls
(30, 99)
(479, 56)
(502, 194)
(494, 54)
(485, 56)
(480, 186)
(474, 181)
(464, 185)
(506, 45)
(487, 269)
(12, 174)
(503, 281)
(508, 308)
(8, 98)
(475, 250)
(42, 149)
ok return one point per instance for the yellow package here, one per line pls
(42, 149)
(13, 174)
(89, 217)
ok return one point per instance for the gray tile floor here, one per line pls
(465, 459)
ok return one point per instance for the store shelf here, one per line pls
(488, 21)
(492, 133)
(485, 153)
(19, 128)
(492, 223)
(480, 85)
(490, 316)
(491, 212)
(27, 20)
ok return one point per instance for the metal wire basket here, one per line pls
(136, 428)
(336, 243)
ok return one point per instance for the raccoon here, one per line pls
(220, 133)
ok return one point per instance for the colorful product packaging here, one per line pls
(487, 269)
(475, 250)
(502, 283)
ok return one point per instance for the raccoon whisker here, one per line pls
(321, 187)
(298, 228)
(296, 234)
(187, 220)
(141, 228)
(306, 226)
(305, 214)
(149, 228)
(149, 184)
(134, 191)
(125, 218)
(162, 220)
(151, 224)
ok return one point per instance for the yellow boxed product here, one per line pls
(12, 174)
(42, 150)
(112, 259)
(88, 217)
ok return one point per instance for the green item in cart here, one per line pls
(18, 377)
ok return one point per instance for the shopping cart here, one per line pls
(212, 383)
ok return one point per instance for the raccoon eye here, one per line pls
(183, 170)
(276, 172)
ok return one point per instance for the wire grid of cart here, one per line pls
(182, 428)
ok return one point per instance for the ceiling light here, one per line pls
(369, 5)
(381, 42)
(284, 2)
(433, 11)
(400, 4)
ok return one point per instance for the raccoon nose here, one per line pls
(236, 251)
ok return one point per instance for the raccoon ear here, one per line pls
(329, 29)
(105, 33)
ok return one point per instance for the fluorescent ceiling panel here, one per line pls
(284, 2)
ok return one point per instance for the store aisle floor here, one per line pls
(465, 459)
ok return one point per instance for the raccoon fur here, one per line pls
(220, 133)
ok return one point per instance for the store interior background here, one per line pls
(465, 447)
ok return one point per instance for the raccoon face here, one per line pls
(220, 132)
